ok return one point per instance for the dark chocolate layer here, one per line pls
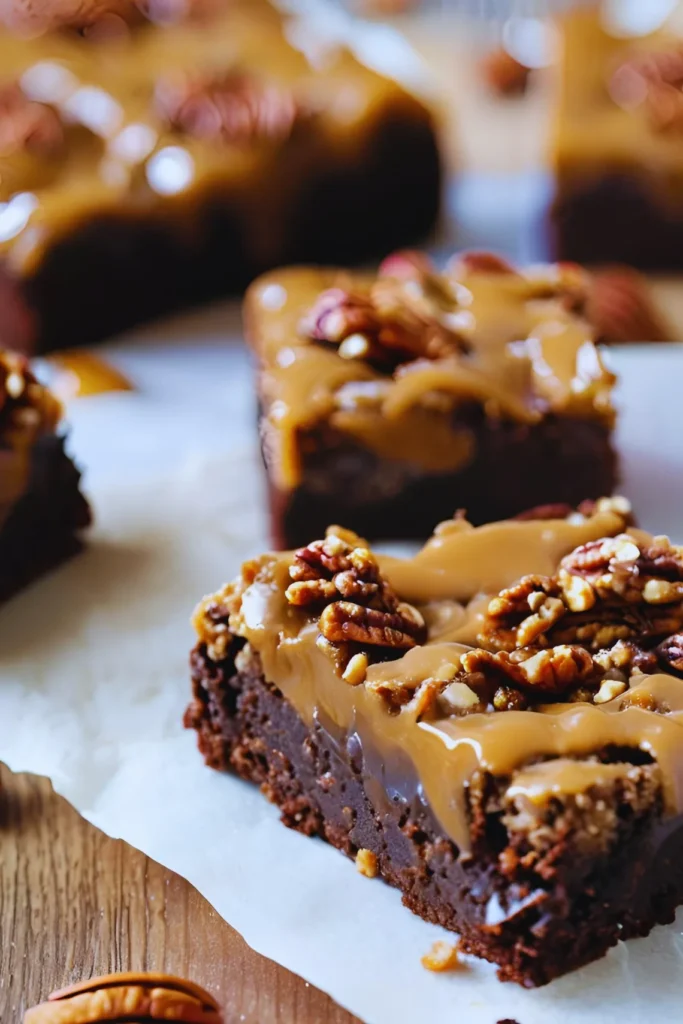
(579, 898)
(617, 218)
(42, 530)
(516, 467)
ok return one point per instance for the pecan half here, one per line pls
(236, 108)
(621, 309)
(653, 82)
(28, 126)
(670, 654)
(131, 996)
(340, 577)
(617, 588)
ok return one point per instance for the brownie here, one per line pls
(616, 149)
(492, 726)
(160, 154)
(42, 511)
(389, 400)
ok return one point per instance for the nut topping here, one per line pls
(236, 108)
(28, 126)
(133, 996)
(360, 607)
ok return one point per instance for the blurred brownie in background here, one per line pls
(159, 153)
(42, 510)
(618, 145)
(391, 400)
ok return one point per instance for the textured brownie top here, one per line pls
(136, 997)
(127, 108)
(621, 101)
(531, 649)
(28, 411)
(390, 359)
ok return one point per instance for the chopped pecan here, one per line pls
(407, 315)
(35, 18)
(28, 126)
(344, 621)
(670, 653)
(653, 82)
(621, 309)
(234, 108)
(504, 74)
(616, 588)
(360, 609)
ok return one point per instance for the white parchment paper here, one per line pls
(94, 681)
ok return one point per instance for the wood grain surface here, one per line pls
(75, 903)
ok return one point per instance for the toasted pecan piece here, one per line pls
(340, 579)
(138, 997)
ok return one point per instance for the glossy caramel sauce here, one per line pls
(454, 570)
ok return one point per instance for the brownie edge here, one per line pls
(535, 927)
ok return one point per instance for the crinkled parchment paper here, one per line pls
(94, 680)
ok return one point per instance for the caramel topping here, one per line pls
(80, 373)
(390, 360)
(438, 702)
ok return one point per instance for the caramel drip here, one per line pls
(123, 159)
(80, 373)
(446, 751)
(525, 356)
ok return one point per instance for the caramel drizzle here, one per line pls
(454, 567)
(525, 355)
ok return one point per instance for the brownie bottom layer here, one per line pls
(534, 927)
(516, 467)
(617, 219)
(42, 529)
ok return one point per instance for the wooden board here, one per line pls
(74, 903)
